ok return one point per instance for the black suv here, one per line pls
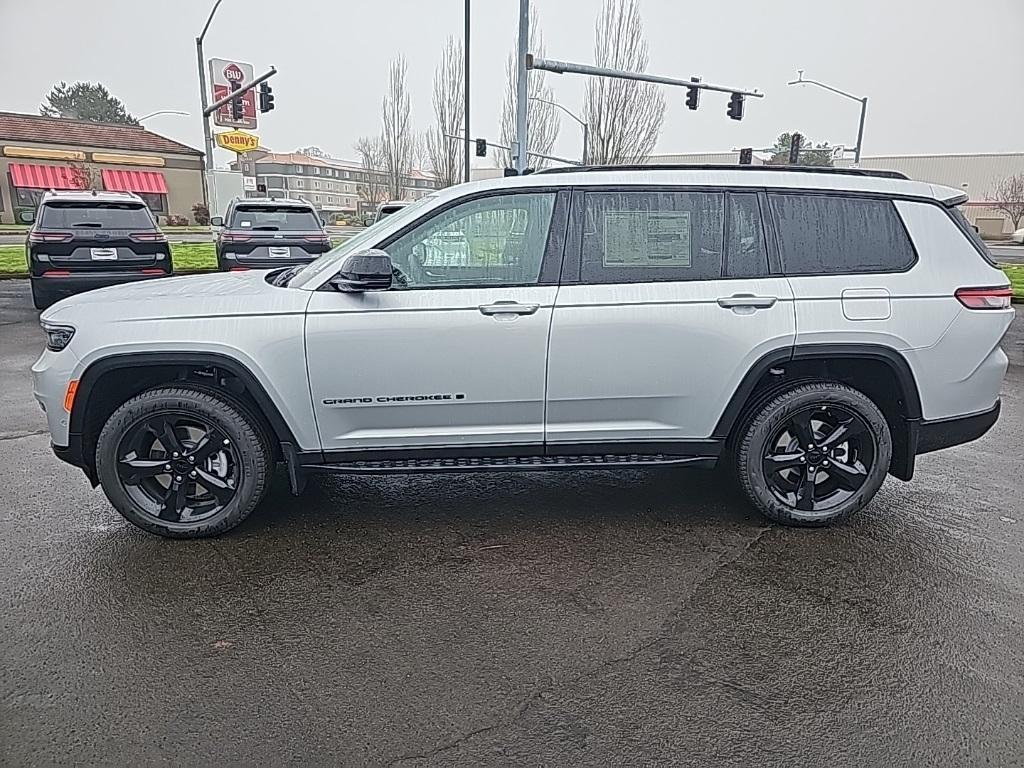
(85, 240)
(264, 233)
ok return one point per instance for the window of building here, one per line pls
(316, 185)
(27, 198)
(316, 170)
(156, 203)
(491, 241)
(826, 234)
(299, 183)
(316, 198)
(247, 168)
(640, 237)
(296, 169)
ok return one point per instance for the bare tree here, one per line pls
(541, 119)
(312, 151)
(1009, 198)
(396, 137)
(84, 176)
(444, 155)
(373, 190)
(625, 116)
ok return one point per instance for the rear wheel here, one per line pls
(814, 455)
(183, 462)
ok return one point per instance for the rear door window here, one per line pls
(280, 218)
(95, 216)
(649, 236)
(826, 234)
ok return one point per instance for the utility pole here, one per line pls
(465, 96)
(522, 105)
(207, 135)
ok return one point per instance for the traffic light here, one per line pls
(481, 147)
(693, 94)
(735, 111)
(266, 97)
(237, 111)
(746, 156)
(794, 148)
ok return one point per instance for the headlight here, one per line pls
(57, 336)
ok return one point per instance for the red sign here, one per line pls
(224, 74)
(224, 111)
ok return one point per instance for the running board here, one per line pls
(505, 463)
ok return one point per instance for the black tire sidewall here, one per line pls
(773, 414)
(253, 454)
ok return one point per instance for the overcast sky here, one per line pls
(941, 76)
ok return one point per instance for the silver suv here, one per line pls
(815, 331)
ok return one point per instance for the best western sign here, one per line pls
(238, 141)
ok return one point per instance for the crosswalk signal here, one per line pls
(794, 148)
(237, 111)
(747, 156)
(735, 111)
(693, 94)
(266, 97)
(481, 147)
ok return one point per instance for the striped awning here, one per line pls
(27, 176)
(134, 181)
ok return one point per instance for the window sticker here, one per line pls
(647, 239)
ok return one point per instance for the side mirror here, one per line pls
(217, 221)
(368, 270)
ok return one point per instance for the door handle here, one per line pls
(508, 308)
(747, 301)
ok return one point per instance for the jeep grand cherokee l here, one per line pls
(814, 331)
(263, 234)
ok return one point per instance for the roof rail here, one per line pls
(722, 167)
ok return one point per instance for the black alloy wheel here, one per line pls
(818, 458)
(178, 468)
(814, 454)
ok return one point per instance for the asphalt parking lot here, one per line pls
(584, 618)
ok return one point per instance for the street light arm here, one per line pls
(559, 106)
(802, 81)
(163, 112)
(209, 18)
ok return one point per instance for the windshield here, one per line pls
(274, 218)
(363, 240)
(88, 215)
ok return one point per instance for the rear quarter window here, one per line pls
(972, 234)
(826, 234)
(95, 216)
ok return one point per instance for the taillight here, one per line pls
(152, 272)
(985, 298)
(148, 237)
(318, 240)
(228, 237)
(56, 273)
(239, 269)
(49, 237)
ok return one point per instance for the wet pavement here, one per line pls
(576, 618)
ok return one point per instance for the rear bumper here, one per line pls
(229, 261)
(945, 433)
(79, 282)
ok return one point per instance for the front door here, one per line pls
(453, 356)
(668, 302)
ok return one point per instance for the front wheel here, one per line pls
(183, 462)
(814, 455)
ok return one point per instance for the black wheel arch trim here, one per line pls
(896, 362)
(74, 453)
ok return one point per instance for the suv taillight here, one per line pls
(985, 298)
(48, 237)
(228, 237)
(318, 239)
(148, 237)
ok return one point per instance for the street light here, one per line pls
(800, 80)
(163, 112)
(586, 126)
(207, 136)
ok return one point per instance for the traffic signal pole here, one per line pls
(207, 135)
(522, 73)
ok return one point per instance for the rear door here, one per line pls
(665, 304)
(101, 236)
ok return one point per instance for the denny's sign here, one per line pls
(238, 141)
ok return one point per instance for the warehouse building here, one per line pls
(42, 153)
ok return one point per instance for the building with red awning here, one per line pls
(42, 153)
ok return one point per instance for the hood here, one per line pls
(214, 295)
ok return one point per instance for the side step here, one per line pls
(505, 463)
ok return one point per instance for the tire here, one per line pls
(814, 455)
(233, 458)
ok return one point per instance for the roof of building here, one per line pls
(79, 133)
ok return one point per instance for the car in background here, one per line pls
(1018, 236)
(259, 233)
(386, 209)
(82, 240)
